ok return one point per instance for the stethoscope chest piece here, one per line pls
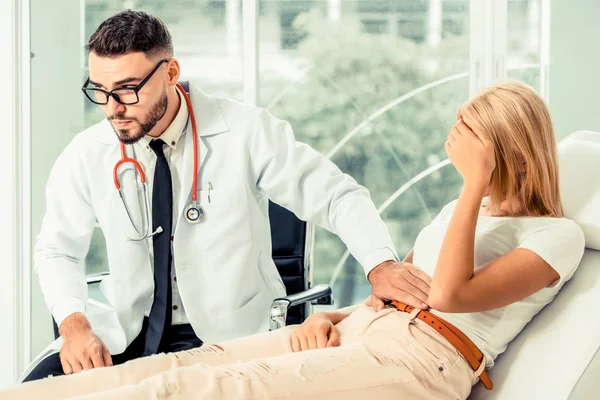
(194, 213)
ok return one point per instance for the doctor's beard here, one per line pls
(130, 136)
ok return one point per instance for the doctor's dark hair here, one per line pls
(131, 31)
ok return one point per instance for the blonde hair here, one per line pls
(517, 121)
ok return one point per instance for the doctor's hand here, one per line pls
(398, 281)
(316, 332)
(81, 349)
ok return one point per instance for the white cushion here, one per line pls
(548, 359)
(579, 166)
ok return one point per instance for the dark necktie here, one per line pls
(162, 215)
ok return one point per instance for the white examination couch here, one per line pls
(556, 357)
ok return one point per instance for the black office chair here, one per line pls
(292, 241)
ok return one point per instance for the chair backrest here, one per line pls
(288, 238)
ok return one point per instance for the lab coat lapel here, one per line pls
(134, 196)
(209, 121)
(188, 162)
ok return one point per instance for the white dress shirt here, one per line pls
(174, 155)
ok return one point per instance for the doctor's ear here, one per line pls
(174, 71)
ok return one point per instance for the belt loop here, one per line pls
(481, 368)
(413, 313)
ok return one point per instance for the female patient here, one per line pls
(497, 255)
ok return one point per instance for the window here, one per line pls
(524, 41)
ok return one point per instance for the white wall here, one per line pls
(11, 270)
(7, 115)
(574, 76)
(56, 116)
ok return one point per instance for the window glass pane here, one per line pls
(375, 86)
(207, 44)
(523, 41)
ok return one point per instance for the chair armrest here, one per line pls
(320, 294)
(317, 293)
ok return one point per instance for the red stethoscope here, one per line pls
(193, 212)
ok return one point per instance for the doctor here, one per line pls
(179, 183)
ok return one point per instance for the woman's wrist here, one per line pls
(333, 317)
(319, 315)
(474, 190)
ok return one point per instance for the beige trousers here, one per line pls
(383, 355)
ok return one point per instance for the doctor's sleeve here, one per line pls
(64, 238)
(299, 178)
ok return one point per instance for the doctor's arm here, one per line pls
(304, 181)
(60, 251)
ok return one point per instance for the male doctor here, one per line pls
(184, 283)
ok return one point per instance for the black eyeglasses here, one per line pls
(125, 95)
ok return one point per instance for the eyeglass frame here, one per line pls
(115, 96)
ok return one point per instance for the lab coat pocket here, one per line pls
(273, 279)
(226, 217)
(247, 319)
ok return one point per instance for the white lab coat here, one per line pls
(224, 269)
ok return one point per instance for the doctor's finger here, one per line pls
(419, 274)
(107, 358)
(66, 366)
(417, 283)
(97, 359)
(409, 289)
(86, 362)
(377, 303)
(411, 300)
(75, 365)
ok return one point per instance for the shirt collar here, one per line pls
(175, 131)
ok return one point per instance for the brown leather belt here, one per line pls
(459, 340)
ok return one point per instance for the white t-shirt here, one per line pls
(559, 241)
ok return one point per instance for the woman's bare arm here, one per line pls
(339, 315)
(509, 278)
(503, 281)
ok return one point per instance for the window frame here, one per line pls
(15, 293)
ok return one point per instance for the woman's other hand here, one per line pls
(317, 332)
